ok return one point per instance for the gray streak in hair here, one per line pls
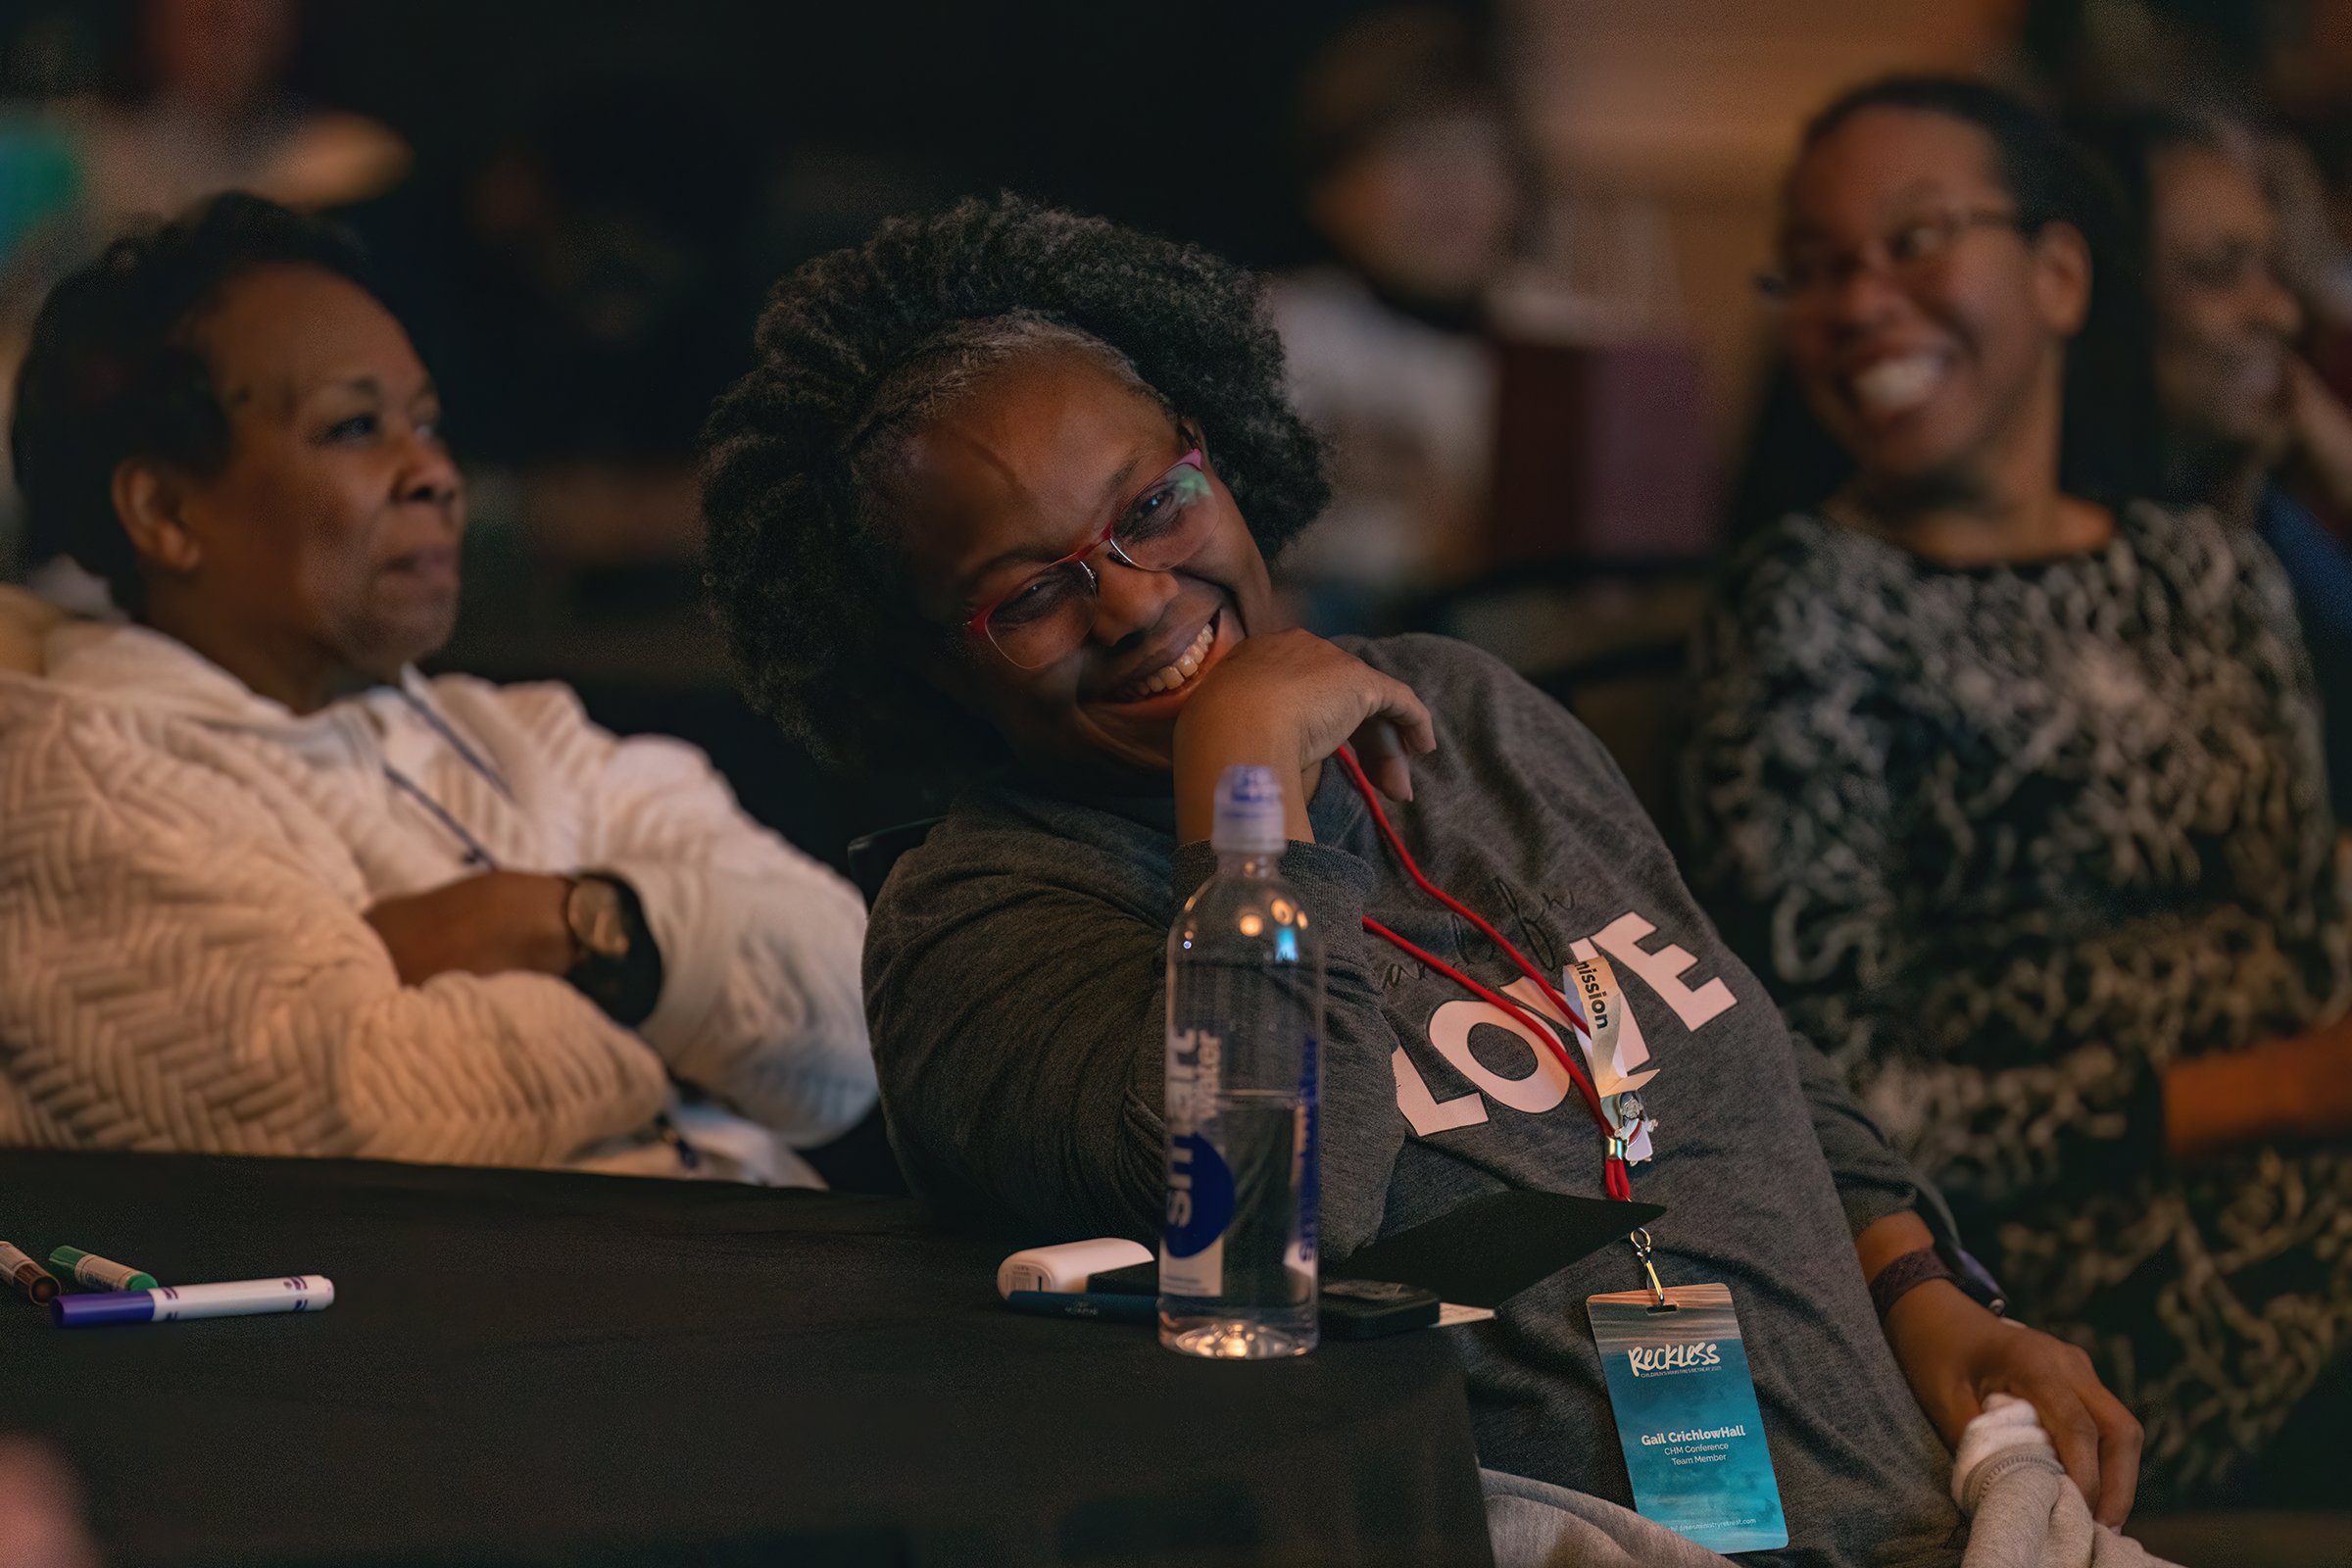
(950, 364)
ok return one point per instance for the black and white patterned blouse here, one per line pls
(2005, 842)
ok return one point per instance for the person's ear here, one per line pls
(1190, 431)
(150, 503)
(2061, 277)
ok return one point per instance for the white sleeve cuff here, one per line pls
(694, 916)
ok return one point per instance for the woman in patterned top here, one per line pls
(2012, 791)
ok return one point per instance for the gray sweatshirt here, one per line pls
(1015, 970)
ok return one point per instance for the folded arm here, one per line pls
(188, 973)
(761, 944)
(1018, 982)
(494, 923)
(1848, 904)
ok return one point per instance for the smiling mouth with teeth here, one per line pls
(1170, 676)
(1898, 385)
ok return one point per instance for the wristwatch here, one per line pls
(616, 962)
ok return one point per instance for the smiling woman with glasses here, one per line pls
(2007, 781)
(994, 510)
(1047, 610)
(1911, 251)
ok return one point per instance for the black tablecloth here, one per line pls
(532, 1367)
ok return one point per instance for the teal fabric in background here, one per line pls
(40, 176)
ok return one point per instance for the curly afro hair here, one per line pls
(854, 345)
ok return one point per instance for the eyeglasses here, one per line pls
(1910, 253)
(1053, 610)
(2236, 264)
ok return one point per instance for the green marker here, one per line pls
(98, 1273)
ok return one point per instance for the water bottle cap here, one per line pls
(1250, 816)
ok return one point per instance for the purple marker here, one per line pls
(294, 1292)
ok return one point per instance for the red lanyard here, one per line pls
(1613, 1174)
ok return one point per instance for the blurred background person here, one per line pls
(1416, 186)
(192, 98)
(198, 102)
(2008, 782)
(1511, 394)
(2247, 421)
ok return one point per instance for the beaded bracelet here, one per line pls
(1901, 1276)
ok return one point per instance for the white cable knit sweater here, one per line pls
(184, 965)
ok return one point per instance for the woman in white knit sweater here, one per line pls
(263, 889)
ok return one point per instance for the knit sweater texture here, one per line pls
(2009, 840)
(184, 869)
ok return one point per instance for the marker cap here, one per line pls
(95, 1271)
(34, 1280)
(102, 1307)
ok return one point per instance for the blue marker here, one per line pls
(1081, 1303)
(295, 1293)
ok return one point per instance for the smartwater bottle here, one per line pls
(1237, 1253)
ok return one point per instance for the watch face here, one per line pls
(594, 915)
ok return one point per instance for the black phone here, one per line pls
(1367, 1309)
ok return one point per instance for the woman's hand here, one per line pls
(1287, 701)
(1954, 1354)
(487, 924)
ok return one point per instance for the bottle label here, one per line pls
(102, 1274)
(1192, 1252)
(1308, 1182)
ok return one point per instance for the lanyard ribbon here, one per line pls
(1614, 1178)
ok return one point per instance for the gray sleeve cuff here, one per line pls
(1331, 883)
(1873, 1180)
(1865, 1206)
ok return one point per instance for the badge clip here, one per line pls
(1657, 1292)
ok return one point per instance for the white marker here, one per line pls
(293, 1292)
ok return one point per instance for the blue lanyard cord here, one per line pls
(475, 854)
(442, 727)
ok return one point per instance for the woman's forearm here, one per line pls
(1287, 701)
(1888, 1239)
(2299, 1087)
(1954, 1354)
(491, 923)
(1202, 754)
